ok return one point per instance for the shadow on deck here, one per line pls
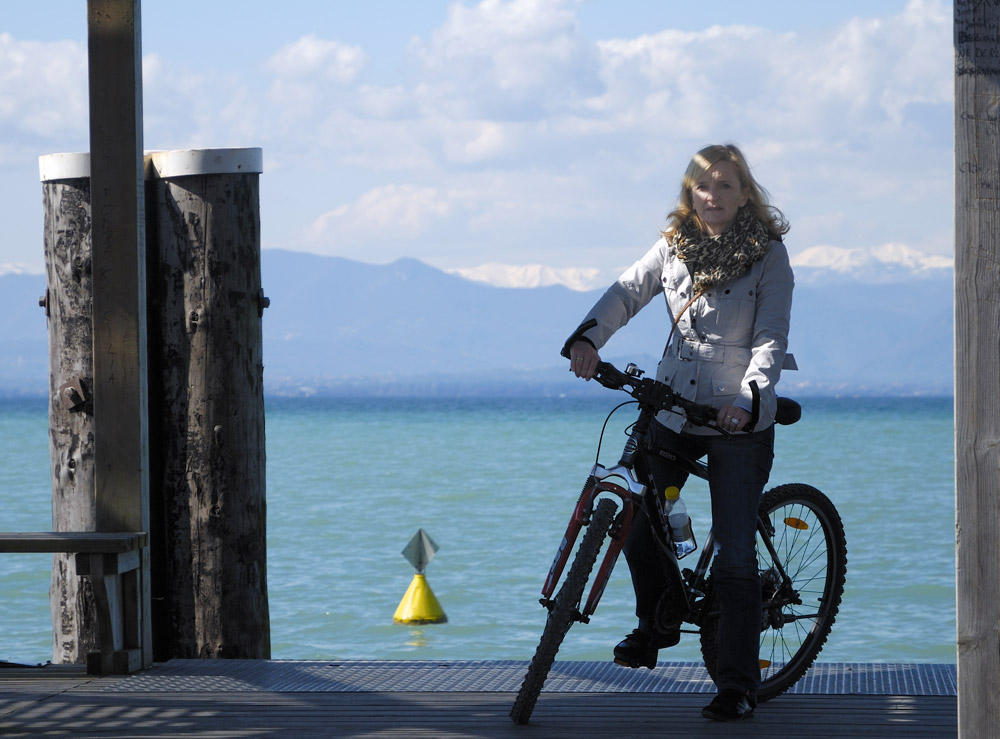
(259, 698)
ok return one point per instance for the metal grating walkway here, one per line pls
(361, 676)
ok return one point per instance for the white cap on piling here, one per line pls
(160, 164)
(185, 162)
(71, 166)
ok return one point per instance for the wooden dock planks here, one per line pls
(63, 701)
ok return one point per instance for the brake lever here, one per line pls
(715, 426)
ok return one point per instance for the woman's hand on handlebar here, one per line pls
(732, 418)
(583, 359)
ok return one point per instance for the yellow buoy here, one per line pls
(419, 605)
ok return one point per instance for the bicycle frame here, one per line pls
(631, 492)
(635, 489)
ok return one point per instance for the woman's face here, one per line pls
(718, 195)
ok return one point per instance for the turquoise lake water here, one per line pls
(349, 481)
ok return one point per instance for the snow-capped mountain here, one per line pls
(534, 275)
(880, 264)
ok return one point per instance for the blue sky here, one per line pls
(518, 132)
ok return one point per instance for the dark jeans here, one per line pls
(738, 468)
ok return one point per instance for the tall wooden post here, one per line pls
(977, 364)
(121, 452)
(67, 302)
(208, 489)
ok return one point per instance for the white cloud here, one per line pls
(310, 56)
(520, 140)
(19, 268)
(478, 141)
(507, 59)
(43, 87)
(680, 83)
(921, 67)
(817, 83)
(397, 212)
(188, 107)
(476, 216)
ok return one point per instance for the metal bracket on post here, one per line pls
(75, 396)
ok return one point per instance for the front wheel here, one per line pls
(565, 609)
(809, 547)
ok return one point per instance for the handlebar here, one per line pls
(658, 396)
(653, 395)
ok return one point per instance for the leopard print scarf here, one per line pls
(720, 259)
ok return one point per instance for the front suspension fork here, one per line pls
(592, 488)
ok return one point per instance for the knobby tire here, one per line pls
(810, 543)
(564, 611)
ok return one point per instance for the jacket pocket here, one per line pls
(727, 380)
(727, 312)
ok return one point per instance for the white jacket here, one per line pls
(734, 333)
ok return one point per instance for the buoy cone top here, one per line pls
(419, 605)
(420, 550)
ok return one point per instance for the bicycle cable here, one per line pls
(600, 440)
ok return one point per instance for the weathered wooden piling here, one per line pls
(208, 490)
(68, 303)
(977, 364)
(207, 459)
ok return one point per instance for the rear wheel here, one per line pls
(808, 543)
(565, 609)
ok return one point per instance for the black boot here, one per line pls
(729, 705)
(639, 648)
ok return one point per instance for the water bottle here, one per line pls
(676, 513)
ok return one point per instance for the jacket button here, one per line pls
(692, 382)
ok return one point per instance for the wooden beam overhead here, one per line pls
(121, 447)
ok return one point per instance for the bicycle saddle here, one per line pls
(788, 412)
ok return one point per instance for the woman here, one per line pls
(725, 274)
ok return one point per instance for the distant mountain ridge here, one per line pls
(337, 326)
(877, 265)
(533, 275)
(883, 264)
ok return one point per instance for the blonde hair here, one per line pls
(772, 218)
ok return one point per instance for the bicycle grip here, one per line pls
(610, 376)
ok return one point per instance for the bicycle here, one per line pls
(801, 552)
